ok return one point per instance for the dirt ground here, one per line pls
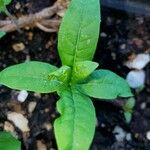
(117, 29)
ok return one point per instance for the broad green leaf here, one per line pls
(3, 4)
(31, 76)
(82, 70)
(74, 129)
(6, 2)
(79, 31)
(2, 34)
(8, 142)
(106, 85)
(61, 74)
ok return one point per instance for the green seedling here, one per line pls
(128, 109)
(76, 81)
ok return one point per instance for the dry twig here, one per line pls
(40, 19)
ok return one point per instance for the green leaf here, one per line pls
(79, 31)
(8, 142)
(61, 74)
(6, 2)
(83, 69)
(128, 109)
(31, 76)
(106, 85)
(128, 116)
(74, 129)
(130, 103)
(2, 34)
(3, 4)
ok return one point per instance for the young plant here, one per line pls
(76, 80)
(128, 109)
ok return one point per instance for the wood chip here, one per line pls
(18, 47)
(8, 127)
(41, 145)
(19, 120)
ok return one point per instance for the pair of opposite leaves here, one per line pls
(74, 81)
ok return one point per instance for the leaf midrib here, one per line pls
(29, 76)
(77, 41)
(78, 34)
(73, 117)
(32, 78)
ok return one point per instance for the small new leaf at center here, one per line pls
(62, 74)
(82, 70)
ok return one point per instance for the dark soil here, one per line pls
(120, 28)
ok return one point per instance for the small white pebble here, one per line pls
(143, 105)
(19, 120)
(136, 78)
(120, 134)
(103, 34)
(148, 135)
(123, 46)
(140, 20)
(140, 61)
(22, 96)
(38, 95)
(103, 125)
(31, 106)
(18, 6)
(48, 126)
(128, 137)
